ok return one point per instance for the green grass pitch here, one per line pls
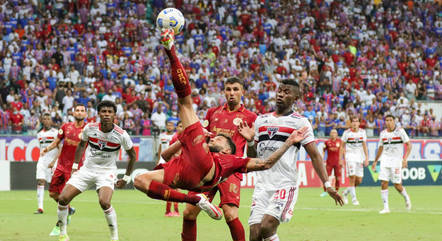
(315, 218)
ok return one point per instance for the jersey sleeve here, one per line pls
(344, 136)
(207, 118)
(310, 136)
(257, 123)
(381, 136)
(61, 132)
(84, 135)
(126, 142)
(404, 136)
(364, 135)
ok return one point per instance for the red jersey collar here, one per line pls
(240, 109)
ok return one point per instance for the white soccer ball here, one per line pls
(171, 18)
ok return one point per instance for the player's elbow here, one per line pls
(165, 156)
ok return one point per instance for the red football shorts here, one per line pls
(58, 181)
(336, 169)
(187, 170)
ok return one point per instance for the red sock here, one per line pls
(163, 192)
(175, 205)
(179, 76)
(168, 204)
(189, 230)
(237, 230)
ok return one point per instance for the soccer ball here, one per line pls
(171, 18)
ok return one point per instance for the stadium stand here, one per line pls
(351, 57)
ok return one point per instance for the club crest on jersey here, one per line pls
(272, 131)
(101, 144)
(389, 140)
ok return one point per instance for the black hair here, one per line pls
(230, 142)
(79, 104)
(389, 115)
(233, 80)
(106, 103)
(45, 114)
(290, 82)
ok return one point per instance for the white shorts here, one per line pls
(43, 171)
(84, 178)
(393, 174)
(278, 204)
(355, 169)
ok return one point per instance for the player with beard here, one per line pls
(225, 119)
(69, 133)
(201, 165)
(276, 189)
(104, 141)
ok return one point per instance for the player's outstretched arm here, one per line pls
(257, 164)
(317, 162)
(130, 166)
(171, 151)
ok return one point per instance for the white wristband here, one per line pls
(75, 166)
(126, 178)
(327, 184)
(250, 143)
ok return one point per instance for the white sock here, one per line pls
(63, 218)
(111, 218)
(40, 195)
(353, 193)
(346, 191)
(274, 237)
(405, 195)
(384, 196)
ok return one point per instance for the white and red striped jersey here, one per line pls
(104, 148)
(393, 143)
(45, 138)
(271, 132)
(354, 152)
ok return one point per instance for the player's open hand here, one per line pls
(404, 163)
(373, 166)
(335, 195)
(297, 135)
(120, 183)
(248, 132)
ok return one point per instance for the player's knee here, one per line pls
(54, 196)
(105, 204)
(141, 182)
(230, 212)
(255, 233)
(41, 182)
(190, 213)
(63, 200)
(268, 227)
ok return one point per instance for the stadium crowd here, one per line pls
(365, 58)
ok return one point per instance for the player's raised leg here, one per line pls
(66, 196)
(180, 81)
